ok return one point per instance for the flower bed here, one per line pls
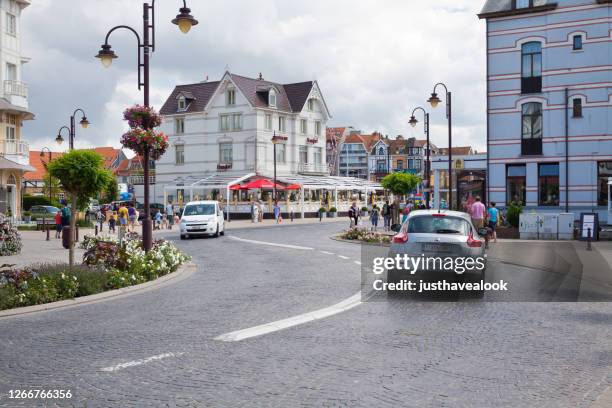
(106, 266)
(364, 235)
(10, 239)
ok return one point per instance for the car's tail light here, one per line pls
(473, 243)
(400, 238)
(438, 215)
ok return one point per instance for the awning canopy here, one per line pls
(6, 164)
(261, 183)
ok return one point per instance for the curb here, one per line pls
(336, 237)
(183, 272)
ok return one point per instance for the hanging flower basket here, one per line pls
(139, 140)
(139, 116)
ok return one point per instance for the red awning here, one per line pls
(293, 187)
(236, 187)
(261, 183)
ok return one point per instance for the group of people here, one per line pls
(62, 219)
(126, 215)
(485, 217)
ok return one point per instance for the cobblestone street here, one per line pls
(158, 348)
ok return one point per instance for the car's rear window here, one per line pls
(428, 224)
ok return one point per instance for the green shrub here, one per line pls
(29, 201)
(513, 214)
(26, 228)
(322, 210)
(364, 209)
(84, 224)
(333, 209)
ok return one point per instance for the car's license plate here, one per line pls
(436, 248)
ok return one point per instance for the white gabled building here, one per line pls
(226, 127)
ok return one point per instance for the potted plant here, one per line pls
(27, 216)
(364, 211)
(322, 212)
(333, 212)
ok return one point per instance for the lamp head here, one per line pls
(184, 20)
(106, 55)
(59, 139)
(413, 121)
(84, 122)
(434, 100)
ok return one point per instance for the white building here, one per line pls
(14, 150)
(227, 127)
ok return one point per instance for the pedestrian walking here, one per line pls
(493, 216)
(253, 212)
(164, 220)
(123, 215)
(158, 220)
(386, 213)
(169, 214)
(277, 212)
(374, 217)
(131, 217)
(353, 214)
(477, 212)
(100, 219)
(58, 224)
(406, 211)
(111, 222)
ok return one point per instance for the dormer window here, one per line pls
(182, 103)
(230, 97)
(272, 98)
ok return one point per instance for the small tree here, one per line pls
(112, 191)
(51, 187)
(400, 183)
(82, 175)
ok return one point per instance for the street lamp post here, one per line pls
(434, 100)
(274, 142)
(72, 129)
(184, 20)
(42, 154)
(413, 122)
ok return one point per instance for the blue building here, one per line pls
(549, 82)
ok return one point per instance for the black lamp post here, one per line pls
(413, 122)
(434, 100)
(72, 129)
(184, 20)
(42, 154)
(274, 142)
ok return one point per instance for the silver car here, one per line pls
(435, 236)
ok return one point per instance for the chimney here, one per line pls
(260, 77)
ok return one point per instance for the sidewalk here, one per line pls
(36, 250)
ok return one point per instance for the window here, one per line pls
(11, 24)
(604, 170)
(281, 153)
(268, 121)
(281, 123)
(417, 164)
(381, 166)
(577, 108)
(11, 72)
(272, 98)
(400, 165)
(548, 184)
(303, 154)
(230, 97)
(179, 154)
(318, 155)
(318, 128)
(520, 4)
(182, 103)
(531, 71)
(11, 127)
(237, 121)
(179, 126)
(381, 151)
(228, 123)
(225, 153)
(516, 183)
(311, 104)
(303, 126)
(411, 163)
(531, 143)
(577, 42)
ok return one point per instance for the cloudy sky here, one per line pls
(374, 60)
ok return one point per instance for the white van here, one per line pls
(202, 218)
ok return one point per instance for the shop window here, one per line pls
(604, 170)
(516, 183)
(548, 184)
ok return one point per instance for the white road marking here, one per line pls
(140, 362)
(340, 307)
(327, 252)
(358, 263)
(272, 244)
(343, 257)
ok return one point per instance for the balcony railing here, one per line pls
(17, 88)
(139, 179)
(311, 168)
(14, 147)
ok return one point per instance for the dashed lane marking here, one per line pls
(272, 244)
(327, 252)
(140, 362)
(343, 257)
(267, 328)
(357, 262)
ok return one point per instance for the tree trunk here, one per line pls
(72, 235)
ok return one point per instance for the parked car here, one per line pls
(202, 218)
(153, 207)
(43, 211)
(93, 207)
(437, 233)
